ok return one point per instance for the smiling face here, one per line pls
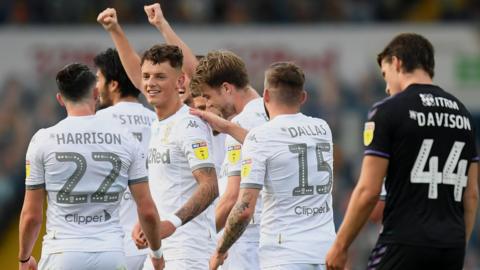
(160, 82)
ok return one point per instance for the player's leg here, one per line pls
(135, 262)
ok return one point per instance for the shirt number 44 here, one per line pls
(434, 177)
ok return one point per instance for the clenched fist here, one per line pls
(108, 19)
(155, 14)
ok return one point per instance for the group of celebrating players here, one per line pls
(124, 183)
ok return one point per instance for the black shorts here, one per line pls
(401, 257)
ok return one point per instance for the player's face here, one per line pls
(390, 74)
(105, 99)
(160, 83)
(218, 99)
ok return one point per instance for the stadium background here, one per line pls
(334, 41)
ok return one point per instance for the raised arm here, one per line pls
(129, 57)
(156, 18)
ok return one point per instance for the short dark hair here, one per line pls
(75, 81)
(221, 66)
(414, 50)
(286, 80)
(161, 53)
(109, 64)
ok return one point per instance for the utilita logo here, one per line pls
(79, 219)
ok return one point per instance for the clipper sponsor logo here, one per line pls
(127, 196)
(84, 220)
(311, 211)
(158, 157)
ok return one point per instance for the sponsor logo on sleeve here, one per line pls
(246, 167)
(27, 168)
(200, 149)
(368, 133)
(233, 153)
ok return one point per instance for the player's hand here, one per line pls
(158, 264)
(216, 260)
(154, 14)
(108, 19)
(336, 258)
(139, 237)
(31, 264)
(166, 229)
(216, 122)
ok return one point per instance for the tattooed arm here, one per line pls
(237, 222)
(205, 194)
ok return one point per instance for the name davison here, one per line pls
(438, 119)
(88, 138)
(311, 211)
(310, 130)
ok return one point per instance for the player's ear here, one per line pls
(60, 100)
(303, 97)
(113, 86)
(181, 81)
(96, 93)
(266, 95)
(226, 87)
(397, 63)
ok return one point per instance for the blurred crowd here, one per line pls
(244, 11)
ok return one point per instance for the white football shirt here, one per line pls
(137, 119)
(179, 145)
(85, 164)
(291, 159)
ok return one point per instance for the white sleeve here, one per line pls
(137, 172)
(34, 167)
(254, 162)
(234, 156)
(195, 141)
